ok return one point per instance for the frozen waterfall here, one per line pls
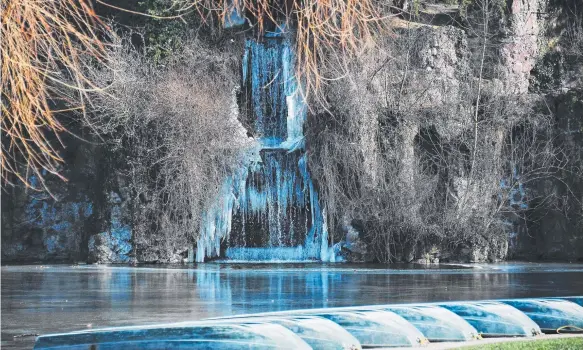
(269, 210)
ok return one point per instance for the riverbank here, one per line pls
(546, 342)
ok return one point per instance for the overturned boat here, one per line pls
(376, 326)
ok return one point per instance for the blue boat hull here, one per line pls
(410, 325)
(551, 315)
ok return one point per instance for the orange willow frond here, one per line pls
(46, 45)
(327, 32)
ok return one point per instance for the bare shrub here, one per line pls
(176, 128)
(574, 31)
(452, 149)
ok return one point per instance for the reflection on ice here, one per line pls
(64, 298)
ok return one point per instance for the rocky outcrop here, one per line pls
(520, 50)
(554, 229)
(352, 248)
(115, 244)
(169, 135)
(419, 161)
(40, 226)
(46, 229)
(458, 123)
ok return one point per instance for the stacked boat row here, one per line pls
(410, 325)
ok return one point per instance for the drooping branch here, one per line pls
(46, 46)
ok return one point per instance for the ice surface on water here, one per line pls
(271, 190)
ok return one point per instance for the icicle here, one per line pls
(273, 188)
(234, 15)
(245, 65)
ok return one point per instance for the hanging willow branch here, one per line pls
(46, 46)
(327, 32)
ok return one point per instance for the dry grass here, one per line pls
(45, 47)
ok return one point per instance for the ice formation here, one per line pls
(272, 202)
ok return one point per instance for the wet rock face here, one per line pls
(38, 226)
(115, 244)
(50, 230)
(353, 248)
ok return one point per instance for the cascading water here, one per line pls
(269, 210)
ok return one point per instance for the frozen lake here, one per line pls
(48, 299)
